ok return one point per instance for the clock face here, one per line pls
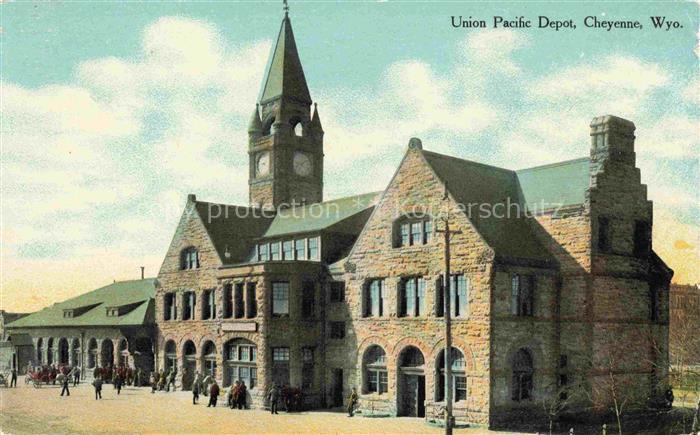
(302, 164)
(262, 164)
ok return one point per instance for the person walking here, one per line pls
(161, 381)
(232, 395)
(76, 375)
(13, 378)
(273, 397)
(352, 401)
(154, 382)
(97, 383)
(213, 394)
(118, 382)
(241, 397)
(65, 381)
(195, 392)
(171, 380)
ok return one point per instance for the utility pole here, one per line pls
(448, 319)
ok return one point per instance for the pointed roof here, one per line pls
(315, 119)
(285, 76)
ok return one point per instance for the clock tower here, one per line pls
(285, 140)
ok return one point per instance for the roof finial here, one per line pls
(285, 8)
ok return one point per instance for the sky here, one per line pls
(112, 112)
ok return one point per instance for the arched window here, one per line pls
(63, 351)
(267, 126)
(410, 231)
(459, 377)
(209, 359)
(376, 378)
(170, 355)
(522, 375)
(298, 129)
(240, 357)
(189, 258)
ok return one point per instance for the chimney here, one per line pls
(142, 272)
(612, 140)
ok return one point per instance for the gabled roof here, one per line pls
(141, 292)
(474, 185)
(232, 228)
(557, 185)
(319, 216)
(285, 76)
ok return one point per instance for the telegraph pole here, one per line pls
(448, 320)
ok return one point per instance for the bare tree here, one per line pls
(554, 401)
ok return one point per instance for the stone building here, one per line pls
(554, 281)
(110, 326)
(684, 339)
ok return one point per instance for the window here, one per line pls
(238, 302)
(376, 379)
(69, 313)
(308, 290)
(337, 291)
(642, 239)
(459, 377)
(189, 259)
(522, 295)
(280, 365)
(251, 301)
(307, 373)
(298, 129)
(169, 307)
(280, 298)
(337, 330)
(300, 249)
(228, 301)
(459, 292)
(313, 249)
(240, 356)
(409, 232)
(604, 237)
(188, 309)
(374, 299)
(413, 297)
(263, 253)
(522, 375)
(439, 298)
(208, 305)
(288, 250)
(275, 251)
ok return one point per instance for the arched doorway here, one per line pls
(107, 353)
(49, 351)
(141, 350)
(240, 361)
(123, 353)
(411, 383)
(170, 360)
(40, 351)
(189, 364)
(92, 353)
(63, 352)
(209, 359)
(75, 352)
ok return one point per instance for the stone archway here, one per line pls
(189, 364)
(123, 353)
(410, 397)
(92, 353)
(75, 352)
(107, 353)
(50, 351)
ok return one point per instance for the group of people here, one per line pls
(162, 381)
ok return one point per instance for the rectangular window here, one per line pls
(460, 388)
(275, 251)
(409, 298)
(522, 295)
(307, 373)
(427, 231)
(459, 292)
(238, 301)
(209, 305)
(314, 253)
(642, 239)
(405, 234)
(300, 249)
(188, 309)
(308, 290)
(228, 301)
(377, 381)
(337, 330)
(251, 301)
(263, 252)
(416, 233)
(280, 298)
(288, 250)
(337, 291)
(420, 297)
(439, 298)
(243, 353)
(280, 354)
(169, 307)
(374, 304)
(604, 239)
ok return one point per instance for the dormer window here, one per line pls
(189, 259)
(67, 314)
(409, 232)
(112, 312)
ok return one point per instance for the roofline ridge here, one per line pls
(447, 156)
(551, 165)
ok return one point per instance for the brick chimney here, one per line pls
(612, 140)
